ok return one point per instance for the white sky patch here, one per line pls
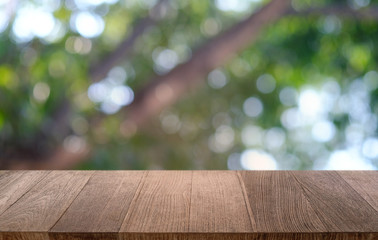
(323, 131)
(7, 7)
(49, 5)
(88, 24)
(354, 134)
(57, 33)
(370, 148)
(122, 95)
(98, 92)
(292, 118)
(329, 94)
(4, 20)
(44, 24)
(347, 160)
(310, 104)
(234, 5)
(86, 4)
(110, 107)
(274, 138)
(252, 159)
(32, 22)
(357, 101)
(111, 95)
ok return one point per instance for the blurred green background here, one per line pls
(302, 96)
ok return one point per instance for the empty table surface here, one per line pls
(188, 205)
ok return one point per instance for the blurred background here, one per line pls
(179, 84)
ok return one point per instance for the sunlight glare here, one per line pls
(347, 160)
(88, 24)
(257, 160)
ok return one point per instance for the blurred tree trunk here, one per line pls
(165, 90)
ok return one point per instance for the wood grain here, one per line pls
(100, 207)
(40, 208)
(252, 236)
(83, 236)
(162, 203)
(278, 204)
(218, 203)
(196, 236)
(365, 183)
(24, 236)
(188, 205)
(336, 203)
(15, 184)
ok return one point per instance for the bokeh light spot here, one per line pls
(253, 107)
(323, 131)
(370, 148)
(266, 83)
(257, 160)
(88, 24)
(41, 91)
(217, 79)
(288, 96)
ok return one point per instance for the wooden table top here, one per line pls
(188, 205)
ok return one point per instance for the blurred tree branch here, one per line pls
(165, 90)
(99, 70)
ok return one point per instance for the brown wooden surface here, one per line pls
(101, 206)
(365, 184)
(15, 184)
(161, 204)
(184, 205)
(275, 197)
(218, 204)
(337, 204)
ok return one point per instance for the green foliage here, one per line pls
(206, 128)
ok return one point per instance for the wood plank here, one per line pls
(278, 204)
(23, 236)
(40, 208)
(83, 236)
(338, 205)
(15, 184)
(218, 203)
(186, 205)
(161, 204)
(100, 207)
(200, 236)
(251, 236)
(365, 183)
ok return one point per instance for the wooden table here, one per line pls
(188, 205)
